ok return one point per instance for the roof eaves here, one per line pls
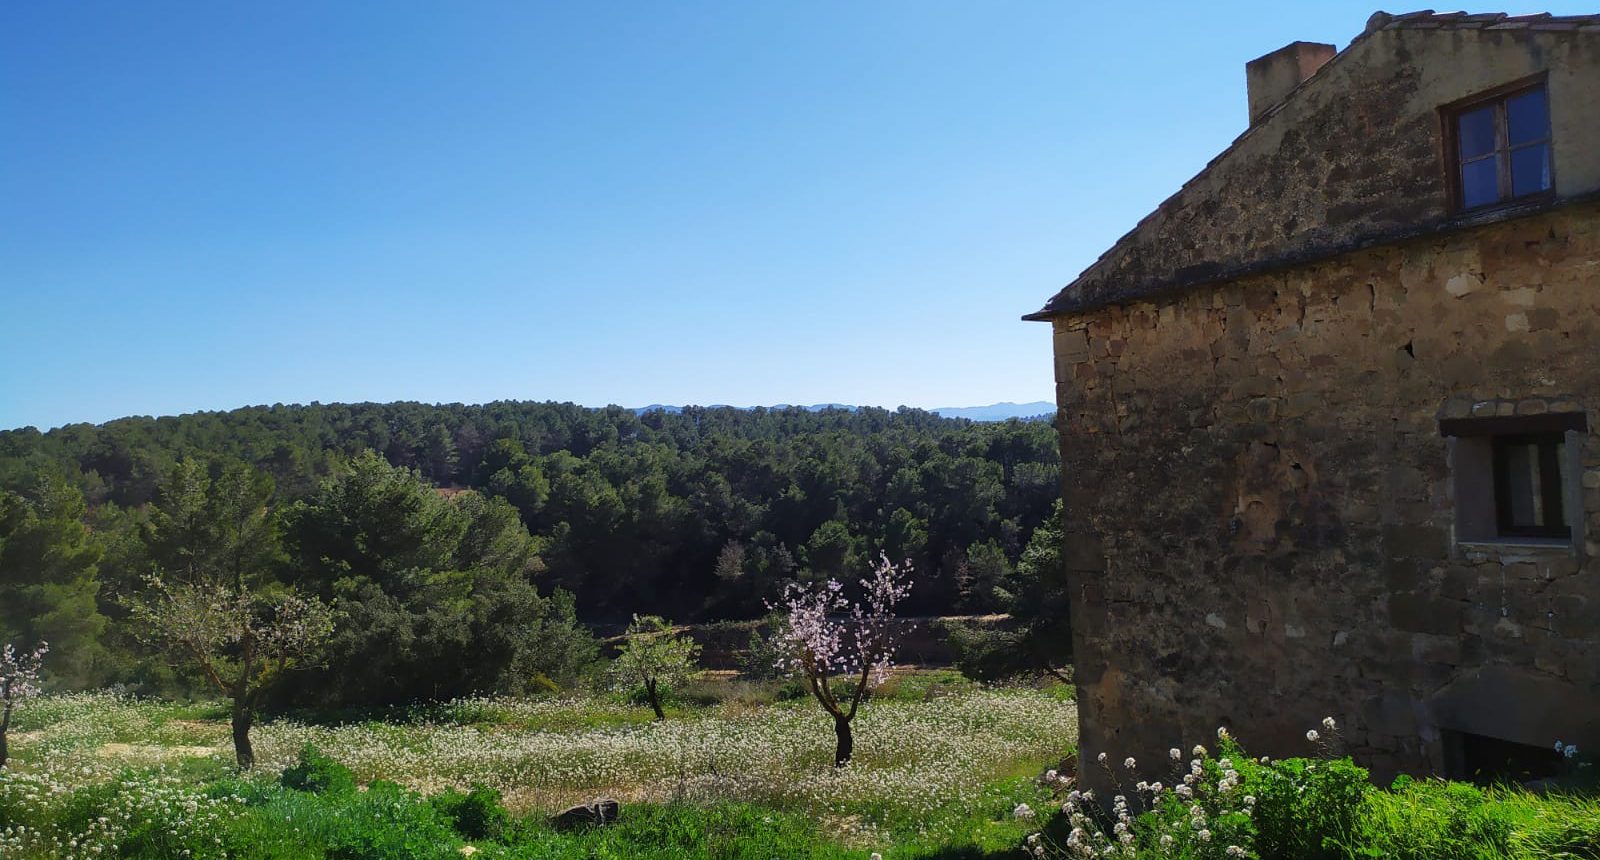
(1220, 274)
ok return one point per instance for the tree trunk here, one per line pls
(5, 725)
(243, 753)
(655, 699)
(847, 741)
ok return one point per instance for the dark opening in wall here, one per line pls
(1515, 478)
(1486, 761)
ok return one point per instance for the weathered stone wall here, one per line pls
(1261, 502)
(1356, 156)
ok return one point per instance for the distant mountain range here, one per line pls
(1038, 409)
(1041, 409)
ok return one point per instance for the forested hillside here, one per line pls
(426, 523)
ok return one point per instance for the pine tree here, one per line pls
(49, 578)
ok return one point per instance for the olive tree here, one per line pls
(240, 640)
(841, 649)
(653, 656)
(19, 679)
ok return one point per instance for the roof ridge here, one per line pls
(1428, 19)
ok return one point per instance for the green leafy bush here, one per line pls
(318, 774)
(1231, 806)
(476, 814)
(1306, 809)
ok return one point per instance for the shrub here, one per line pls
(1305, 808)
(318, 774)
(1230, 806)
(387, 822)
(476, 814)
(760, 658)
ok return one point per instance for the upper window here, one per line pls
(1502, 148)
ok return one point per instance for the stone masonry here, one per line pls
(1261, 506)
(1269, 519)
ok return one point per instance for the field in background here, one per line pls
(939, 761)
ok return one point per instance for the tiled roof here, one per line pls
(1428, 19)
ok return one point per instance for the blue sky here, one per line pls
(209, 205)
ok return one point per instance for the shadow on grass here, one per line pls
(967, 852)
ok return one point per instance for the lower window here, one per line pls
(1515, 478)
(1530, 476)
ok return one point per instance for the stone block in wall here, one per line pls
(1388, 715)
(1421, 613)
(1084, 552)
(1403, 575)
(1433, 648)
(1416, 541)
(1462, 582)
(1581, 667)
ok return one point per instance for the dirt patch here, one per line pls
(143, 751)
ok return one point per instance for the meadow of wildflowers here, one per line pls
(976, 773)
(922, 770)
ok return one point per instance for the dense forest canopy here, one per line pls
(694, 515)
(453, 535)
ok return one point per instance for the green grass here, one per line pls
(1433, 818)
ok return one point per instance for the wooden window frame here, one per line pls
(1450, 116)
(1552, 489)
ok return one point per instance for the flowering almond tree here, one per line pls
(240, 640)
(842, 649)
(19, 679)
(653, 656)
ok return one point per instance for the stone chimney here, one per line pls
(1271, 78)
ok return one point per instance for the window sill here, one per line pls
(1526, 546)
(1503, 210)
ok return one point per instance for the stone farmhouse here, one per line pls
(1330, 415)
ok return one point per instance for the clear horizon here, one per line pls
(708, 405)
(204, 207)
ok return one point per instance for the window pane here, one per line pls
(1480, 182)
(1522, 477)
(1528, 116)
(1475, 132)
(1564, 475)
(1530, 169)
